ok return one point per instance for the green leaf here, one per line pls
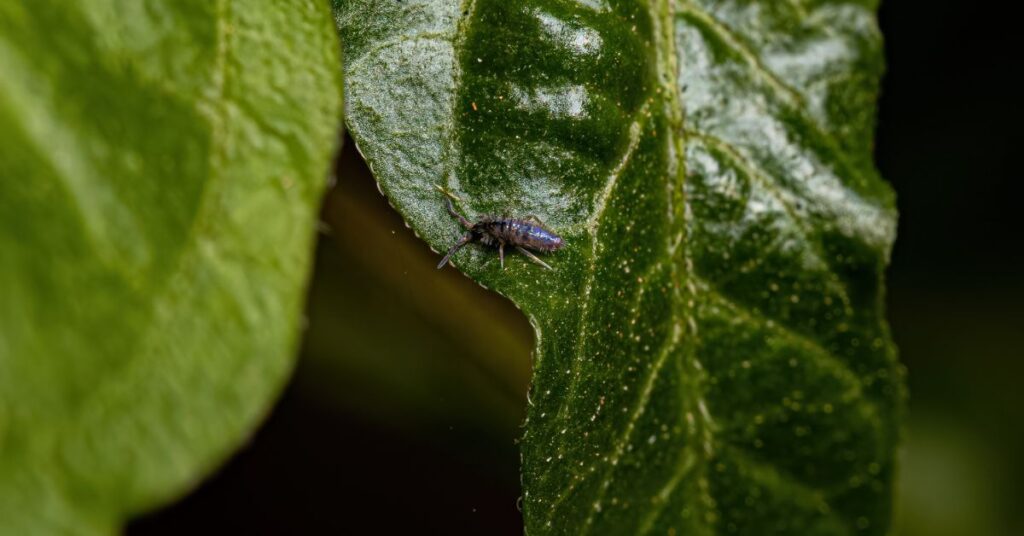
(161, 164)
(712, 355)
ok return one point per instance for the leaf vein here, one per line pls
(592, 227)
(467, 8)
(729, 37)
(814, 347)
(775, 190)
(772, 476)
(638, 411)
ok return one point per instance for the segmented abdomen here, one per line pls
(516, 232)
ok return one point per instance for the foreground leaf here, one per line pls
(160, 168)
(711, 352)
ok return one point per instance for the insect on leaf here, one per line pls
(161, 166)
(712, 355)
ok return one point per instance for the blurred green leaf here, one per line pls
(161, 164)
(711, 353)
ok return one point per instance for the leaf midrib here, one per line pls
(662, 17)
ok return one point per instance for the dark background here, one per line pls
(405, 419)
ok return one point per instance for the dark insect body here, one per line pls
(501, 232)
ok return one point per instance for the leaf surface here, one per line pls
(161, 164)
(712, 355)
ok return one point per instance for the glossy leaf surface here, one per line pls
(161, 164)
(712, 355)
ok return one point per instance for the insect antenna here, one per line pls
(439, 188)
(462, 219)
(451, 208)
(458, 245)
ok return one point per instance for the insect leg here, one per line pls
(501, 254)
(533, 257)
(458, 245)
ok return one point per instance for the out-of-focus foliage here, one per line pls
(712, 353)
(160, 168)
